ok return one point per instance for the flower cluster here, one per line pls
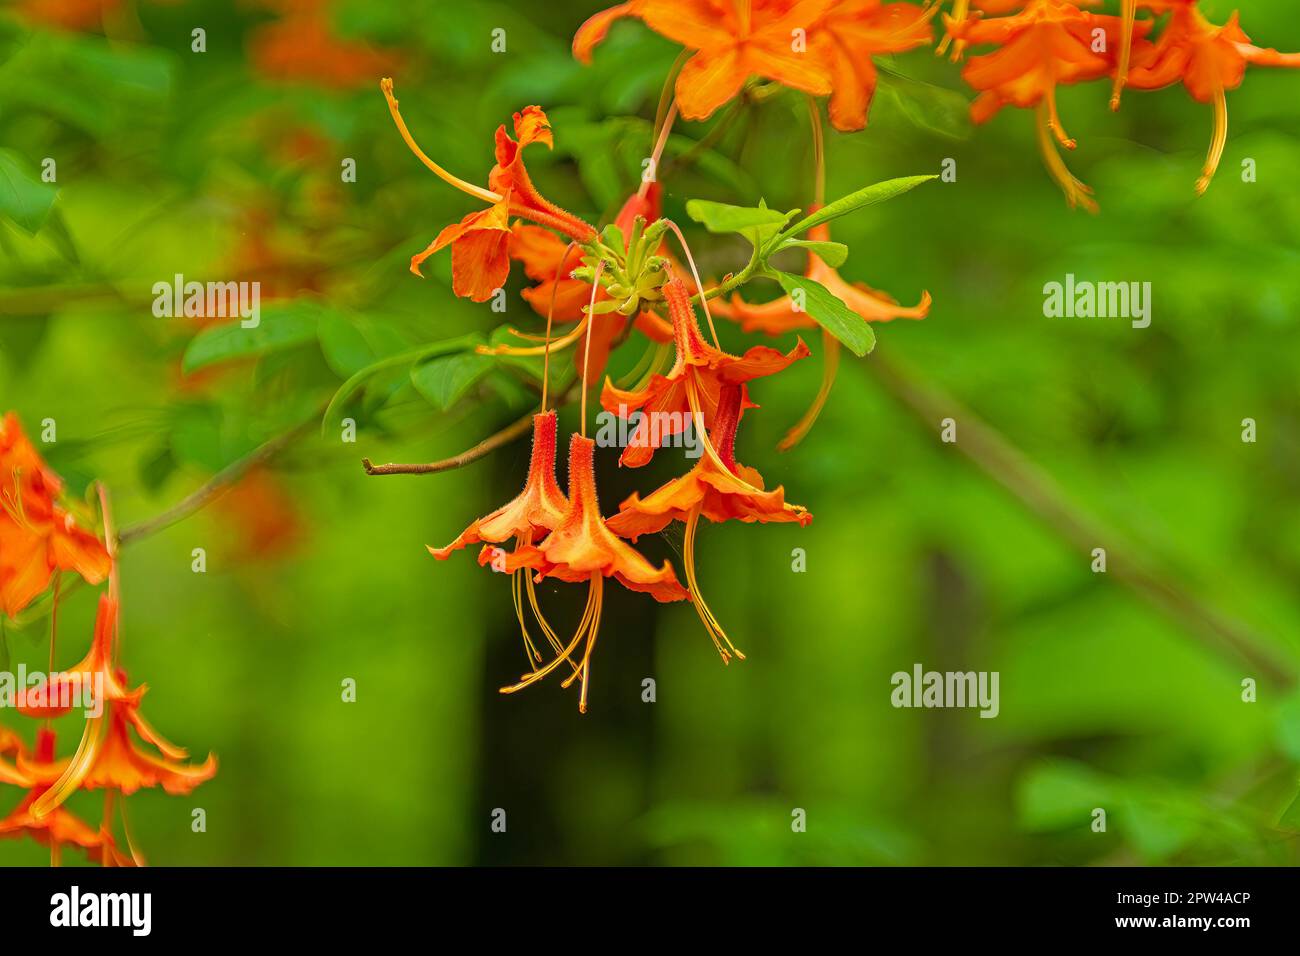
(1043, 44)
(119, 751)
(825, 48)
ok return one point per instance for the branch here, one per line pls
(215, 486)
(489, 444)
(1009, 467)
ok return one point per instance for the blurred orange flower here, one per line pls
(1209, 60)
(822, 47)
(302, 47)
(1047, 44)
(37, 536)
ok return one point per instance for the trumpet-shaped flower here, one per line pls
(692, 385)
(583, 548)
(1209, 60)
(480, 260)
(720, 489)
(37, 536)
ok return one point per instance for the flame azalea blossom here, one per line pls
(691, 387)
(108, 757)
(720, 489)
(1209, 60)
(1048, 44)
(37, 537)
(733, 39)
(583, 548)
(780, 316)
(11, 743)
(854, 31)
(303, 47)
(480, 260)
(536, 511)
(53, 829)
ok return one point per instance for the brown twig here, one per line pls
(1009, 467)
(215, 486)
(491, 443)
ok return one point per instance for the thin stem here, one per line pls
(1037, 491)
(819, 153)
(386, 84)
(214, 487)
(586, 348)
(491, 443)
(660, 143)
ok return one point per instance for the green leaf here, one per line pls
(757, 223)
(831, 314)
(934, 108)
(834, 254)
(867, 196)
(445, 380)
(282, 326)
(1290, 819)
(344, 346)
(24, 199)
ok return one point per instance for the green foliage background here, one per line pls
(915, 554)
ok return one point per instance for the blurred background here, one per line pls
(1120, 690)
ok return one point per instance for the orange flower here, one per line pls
(854, 31)
(692, 386)
(302, 47)
(583, 548)
(11, 743)
(537, 509)
(1209, 60)
(780, 316)
(733, 40)
(53, 829)
(1047, 44)
(720, 489)
(479, 243)
(108, 757)
(37, 537)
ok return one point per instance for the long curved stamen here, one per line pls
(517, 597)
(92, 741)
(830, 363)
(1054, 121)
(1218, 142)
(655, 156)
(711, 625)
(563, 342)
(960, 10)
(478, 192)
(1128, 15)
(595, 601)
(552, 638)
(819, 152)
(1076, 192)
(699, 286)
(590, 618)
